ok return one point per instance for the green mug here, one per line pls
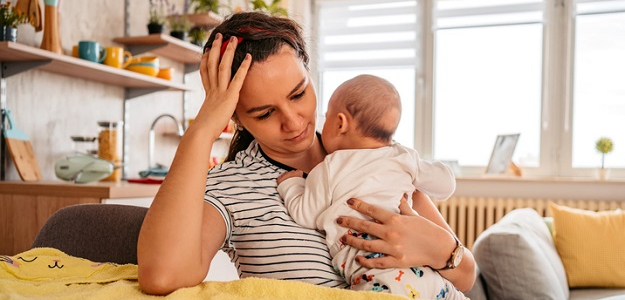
(91, 51)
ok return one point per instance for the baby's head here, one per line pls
(363, 112)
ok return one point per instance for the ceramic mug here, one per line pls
(116, 57)
(91, 51)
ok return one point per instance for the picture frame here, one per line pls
(501, 157)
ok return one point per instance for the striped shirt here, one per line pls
(262, 239)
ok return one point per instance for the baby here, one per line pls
(363, 162)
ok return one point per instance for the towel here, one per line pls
(47, 273)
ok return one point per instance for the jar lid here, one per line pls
(77, 138)
(109, 124)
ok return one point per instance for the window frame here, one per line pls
(558, 56)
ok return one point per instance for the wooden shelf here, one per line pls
(163, 45)
(16, 53)
(206, 20)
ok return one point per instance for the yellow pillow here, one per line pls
(591, 246)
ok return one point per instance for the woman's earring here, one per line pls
(240, 127)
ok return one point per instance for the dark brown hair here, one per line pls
(263, 35)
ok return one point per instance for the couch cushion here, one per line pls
(597, 294)
(591, 246)
(518, 260)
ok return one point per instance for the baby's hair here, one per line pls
(374, 103)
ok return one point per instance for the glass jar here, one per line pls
(84, 145)
(110, 137)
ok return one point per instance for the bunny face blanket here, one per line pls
(46, 273)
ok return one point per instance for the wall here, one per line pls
(50, 108)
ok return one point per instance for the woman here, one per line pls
(255, 71)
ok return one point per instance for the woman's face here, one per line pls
(277, 104)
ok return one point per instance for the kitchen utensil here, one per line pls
(91, 51)
(116, 57)
(21, 150)
(165, 73)
(51, 39)
(33, 9)
(148, 65)
(82, 168)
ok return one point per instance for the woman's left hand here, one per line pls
(406, 239)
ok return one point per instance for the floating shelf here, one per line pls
(163, 45)
(19, 57)
(206, 20)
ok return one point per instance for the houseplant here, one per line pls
(604, 146)
(179, 26)
(198, 36)
(156, 22)
(200, 6)
(273, 9)
(10, 17)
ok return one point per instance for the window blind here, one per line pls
(367, 33)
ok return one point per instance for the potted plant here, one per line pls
(198, 36)
(200, 6)
(604, 146)
(179, 26)
(10, 17)
(156, 23)
(273, 9)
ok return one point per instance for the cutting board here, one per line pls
(21, 151)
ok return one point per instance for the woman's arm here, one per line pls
(180, 233)
(408, 239)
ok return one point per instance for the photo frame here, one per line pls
(501, 157)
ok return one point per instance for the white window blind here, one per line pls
(370, 37)
(357, 34)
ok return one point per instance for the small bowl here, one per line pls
(147, 65)
(165, 73)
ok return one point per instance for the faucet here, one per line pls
(151, 137)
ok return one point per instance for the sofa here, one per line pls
(517, 259)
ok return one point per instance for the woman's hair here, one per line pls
(263, 36)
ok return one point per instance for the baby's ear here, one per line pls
(343, 123)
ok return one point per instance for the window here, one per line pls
(469, 70)
(599, 92)
(487, 79)
(369, 37)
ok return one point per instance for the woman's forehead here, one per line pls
(273, 78)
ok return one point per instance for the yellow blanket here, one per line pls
(46, 273)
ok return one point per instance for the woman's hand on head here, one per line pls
(406, 239)
(222, 94)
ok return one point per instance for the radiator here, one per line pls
(470, 216)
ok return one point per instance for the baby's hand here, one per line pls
(290, 174)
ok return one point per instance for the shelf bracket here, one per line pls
(190, 68)
(137, 92)
(139, 49)
(13, 68)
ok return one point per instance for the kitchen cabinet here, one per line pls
(26, 206)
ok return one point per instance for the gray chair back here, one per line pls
(97, 232)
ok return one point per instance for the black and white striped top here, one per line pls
(261, 238)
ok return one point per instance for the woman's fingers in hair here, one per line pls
(239, 76)
(226, 63)
(212, 61)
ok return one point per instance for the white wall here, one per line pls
(50, 108)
